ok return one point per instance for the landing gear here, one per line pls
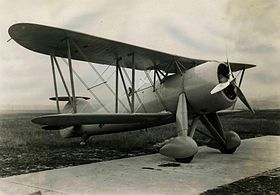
(232, 142)
(225, 141)
(182, 148)
(84, 139)
(184, 160)
(227, 151)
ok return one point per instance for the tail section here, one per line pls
(83, 106)
(66, 98)
(67, 130)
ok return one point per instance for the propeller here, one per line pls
(222, 86)
(243, 99)
(231, 80)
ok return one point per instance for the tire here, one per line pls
(232, 141)
(228, 151)
(184, 160)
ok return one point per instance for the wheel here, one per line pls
(184, 160)
(228, 151)
(232, 141)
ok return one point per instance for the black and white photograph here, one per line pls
(139, 97)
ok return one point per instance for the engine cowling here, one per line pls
(200, 80)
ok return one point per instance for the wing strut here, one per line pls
(157, 94)
(154, 83)
(87, 87)
(158, 75)
(117, 86)
(136, 94)
(102, 79)
(133, 82)
(124, 86)
(241, 78)
(55, 85)
(71, 75)
(118, 69)
(62, 79)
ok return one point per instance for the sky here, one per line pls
(244, 31)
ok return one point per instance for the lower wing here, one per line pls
(97, 118)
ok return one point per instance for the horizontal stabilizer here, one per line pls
(66, 98)
(99, 118)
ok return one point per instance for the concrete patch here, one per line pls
(209, 169)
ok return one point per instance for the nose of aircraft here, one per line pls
(228, 82)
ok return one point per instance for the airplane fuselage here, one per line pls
(196, 83)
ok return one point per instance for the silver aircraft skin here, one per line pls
(183, 89)
(195, 83)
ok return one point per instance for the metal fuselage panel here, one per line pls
(196, 83)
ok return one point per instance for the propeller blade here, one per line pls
(229, 66)
(219, 87)
(243, 99)
(230, 72)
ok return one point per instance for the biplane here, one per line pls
(181, 90)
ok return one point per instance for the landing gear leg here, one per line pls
(226, 141)
(84, 139)
(182, 148)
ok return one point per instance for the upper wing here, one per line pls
(46, 40)
(97, 118)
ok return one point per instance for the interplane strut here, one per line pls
(71, 76)
(55, 85)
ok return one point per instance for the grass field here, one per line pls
(263, 183)
(25, 148)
